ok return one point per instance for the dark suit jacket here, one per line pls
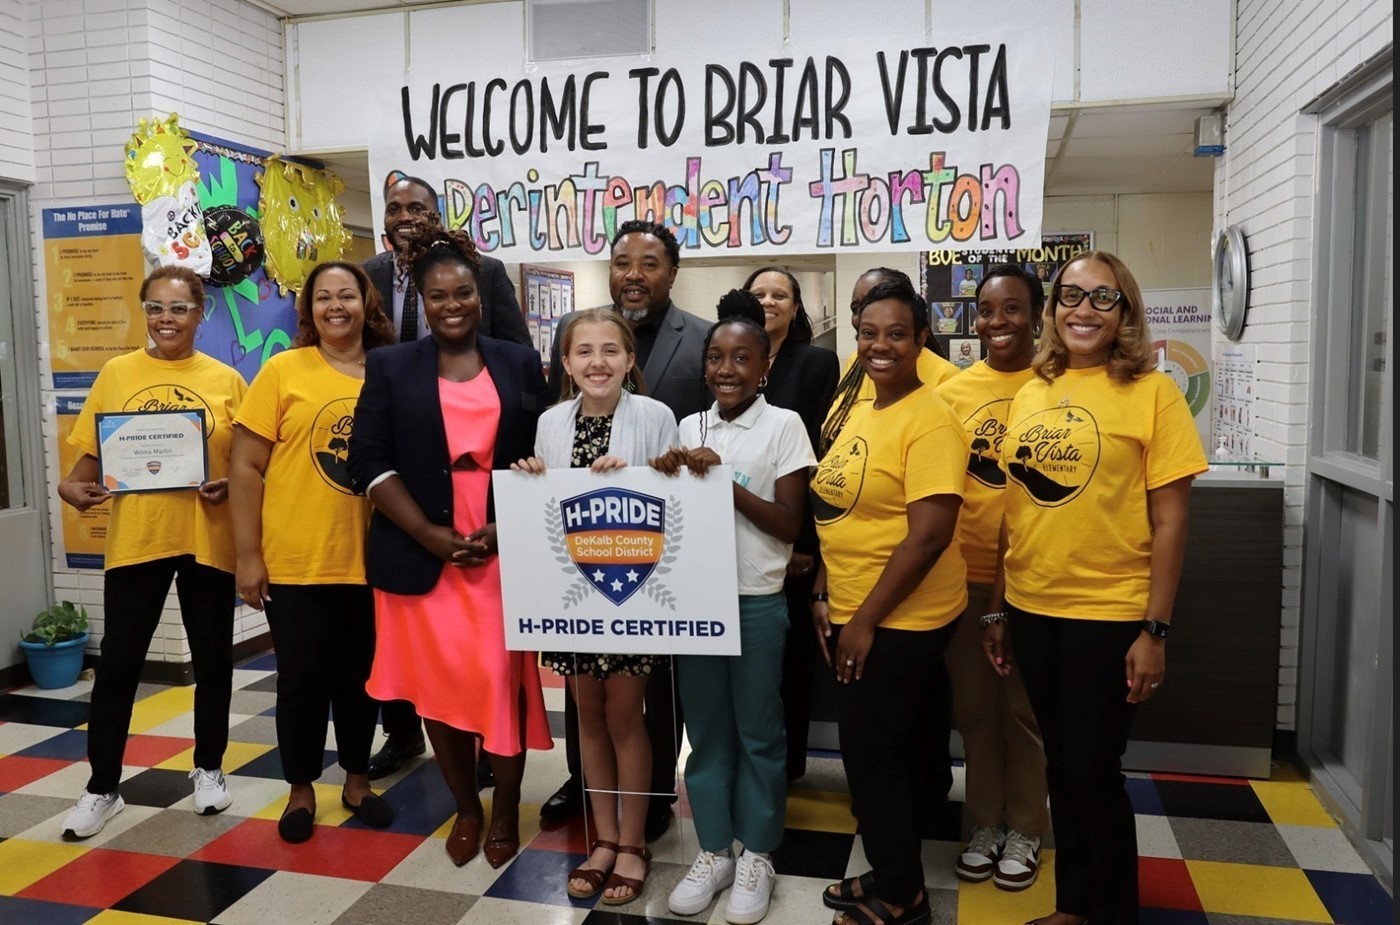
(803, 379)
(399, 426)
(500, 312)
(674, 371)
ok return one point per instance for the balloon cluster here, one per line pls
(163, 176)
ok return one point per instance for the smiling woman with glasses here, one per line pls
(156, 536)
(1099, 455)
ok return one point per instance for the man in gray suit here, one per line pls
(410, 209)
(645, 257)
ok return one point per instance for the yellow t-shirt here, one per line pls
(156, 525)
(882, 461)
(1081, 454)
(981, 397)
(313, 523)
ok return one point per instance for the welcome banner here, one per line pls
(846, 147)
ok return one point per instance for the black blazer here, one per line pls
(399, 427)
(500, 312)
(803, 379)
(674, 372)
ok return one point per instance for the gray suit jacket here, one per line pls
(674, 371)
(500, 312)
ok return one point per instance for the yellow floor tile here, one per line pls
(1264, 892)
(1291, 804)
(161, 708)
(113, 917)
(23, 862)
(235, 756)
(328, 808)
(979, 903)
(820, 811)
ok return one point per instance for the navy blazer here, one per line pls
(399, 427)
(500, 312)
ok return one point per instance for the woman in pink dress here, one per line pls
(434, 418)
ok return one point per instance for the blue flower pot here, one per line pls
(55, 666)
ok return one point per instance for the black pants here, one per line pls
(324, 639)
(663, 720)
(132, 599)
(1075, 677)
(885, 720)
(401, 722)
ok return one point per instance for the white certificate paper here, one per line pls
(152, 450)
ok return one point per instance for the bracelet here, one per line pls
(819, 597)
(987, 619)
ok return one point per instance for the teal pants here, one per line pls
(736, 775)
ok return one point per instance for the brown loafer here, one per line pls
(502, 842)
(464, 840)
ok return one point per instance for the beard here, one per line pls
(634, 315)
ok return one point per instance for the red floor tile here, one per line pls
(570, 838)
(354, 854)
(149, 751)
(1165, 883)
(99, 878)
(17, 771)
(1198, 779)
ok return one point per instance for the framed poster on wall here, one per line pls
(949, 280)
(548, 295)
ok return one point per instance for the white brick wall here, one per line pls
(1287, 52)
(16, 132)
(96, 67)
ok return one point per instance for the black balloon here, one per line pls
(236, 241)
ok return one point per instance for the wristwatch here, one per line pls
(1156, 628)
(819, 597)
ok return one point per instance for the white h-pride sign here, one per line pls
(625, 561)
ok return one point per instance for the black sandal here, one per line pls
(845, 897)
(871, 911)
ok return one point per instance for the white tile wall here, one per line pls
(16, 100)
(95, 68)
(1287, 52)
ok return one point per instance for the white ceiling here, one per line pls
(336, 7)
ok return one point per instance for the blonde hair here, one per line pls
(633, 382)
(1130, 356)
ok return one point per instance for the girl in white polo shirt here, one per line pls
(736, 775)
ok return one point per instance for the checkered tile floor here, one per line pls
(1212, 850)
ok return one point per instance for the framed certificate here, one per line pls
(152, 450)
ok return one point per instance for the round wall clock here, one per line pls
(1230, 281)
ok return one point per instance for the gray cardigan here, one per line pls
(642, 428)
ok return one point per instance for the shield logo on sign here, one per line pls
(615, 538)
(153, 467)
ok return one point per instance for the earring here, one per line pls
(763, 383)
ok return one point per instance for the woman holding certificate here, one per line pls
(290, 443)
(168, 521)
(435, 416)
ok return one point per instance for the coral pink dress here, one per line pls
(445, 650)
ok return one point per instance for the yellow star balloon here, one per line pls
(301, 221)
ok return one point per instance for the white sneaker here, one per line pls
(753, 888)
(1019, 863)
(91, 814)
(210, 792)
(707, 876)
(979, 858)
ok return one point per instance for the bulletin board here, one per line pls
(547, 295)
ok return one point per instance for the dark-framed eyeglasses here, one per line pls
(178, 309)
(1102, 299)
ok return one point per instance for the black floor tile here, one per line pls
(806, 853)
(194, 890)
(1236, 803)
(267, 685)
(43, 711)
(157, 787)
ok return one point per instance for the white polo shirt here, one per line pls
(762, 445)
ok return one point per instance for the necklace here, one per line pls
(343, 360)
(1064, 402)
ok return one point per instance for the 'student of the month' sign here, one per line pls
(626, 561)
(840, 146)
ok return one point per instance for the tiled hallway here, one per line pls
(1218, 851)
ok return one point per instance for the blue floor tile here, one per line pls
(421, 802)
(1143, 795)
(266, 662)
(1353, 899)
(66, 746)
(35, 912)
(538, 876)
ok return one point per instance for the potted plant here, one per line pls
(54, 646)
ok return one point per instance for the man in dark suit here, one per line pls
(410, 210)
(645, 257)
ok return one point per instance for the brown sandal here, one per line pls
(636, 886)
(594, 876)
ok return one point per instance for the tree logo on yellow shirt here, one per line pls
(330, 443)
(987, 429)
(839, 478)
(1056, 453)
(171, 397)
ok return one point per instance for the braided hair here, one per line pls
(740, 308)
(441, 246)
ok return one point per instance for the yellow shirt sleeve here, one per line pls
(260, 411)
(935, 463)
(1175, 450)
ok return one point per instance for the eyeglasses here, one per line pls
(1102, 299)
(178, 309)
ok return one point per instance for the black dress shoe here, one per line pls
(373, 810)
(566, 803)
(659, 816)
(392, 756)
(296, 825)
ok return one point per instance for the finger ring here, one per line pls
(1154, 685)
(850, 661)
